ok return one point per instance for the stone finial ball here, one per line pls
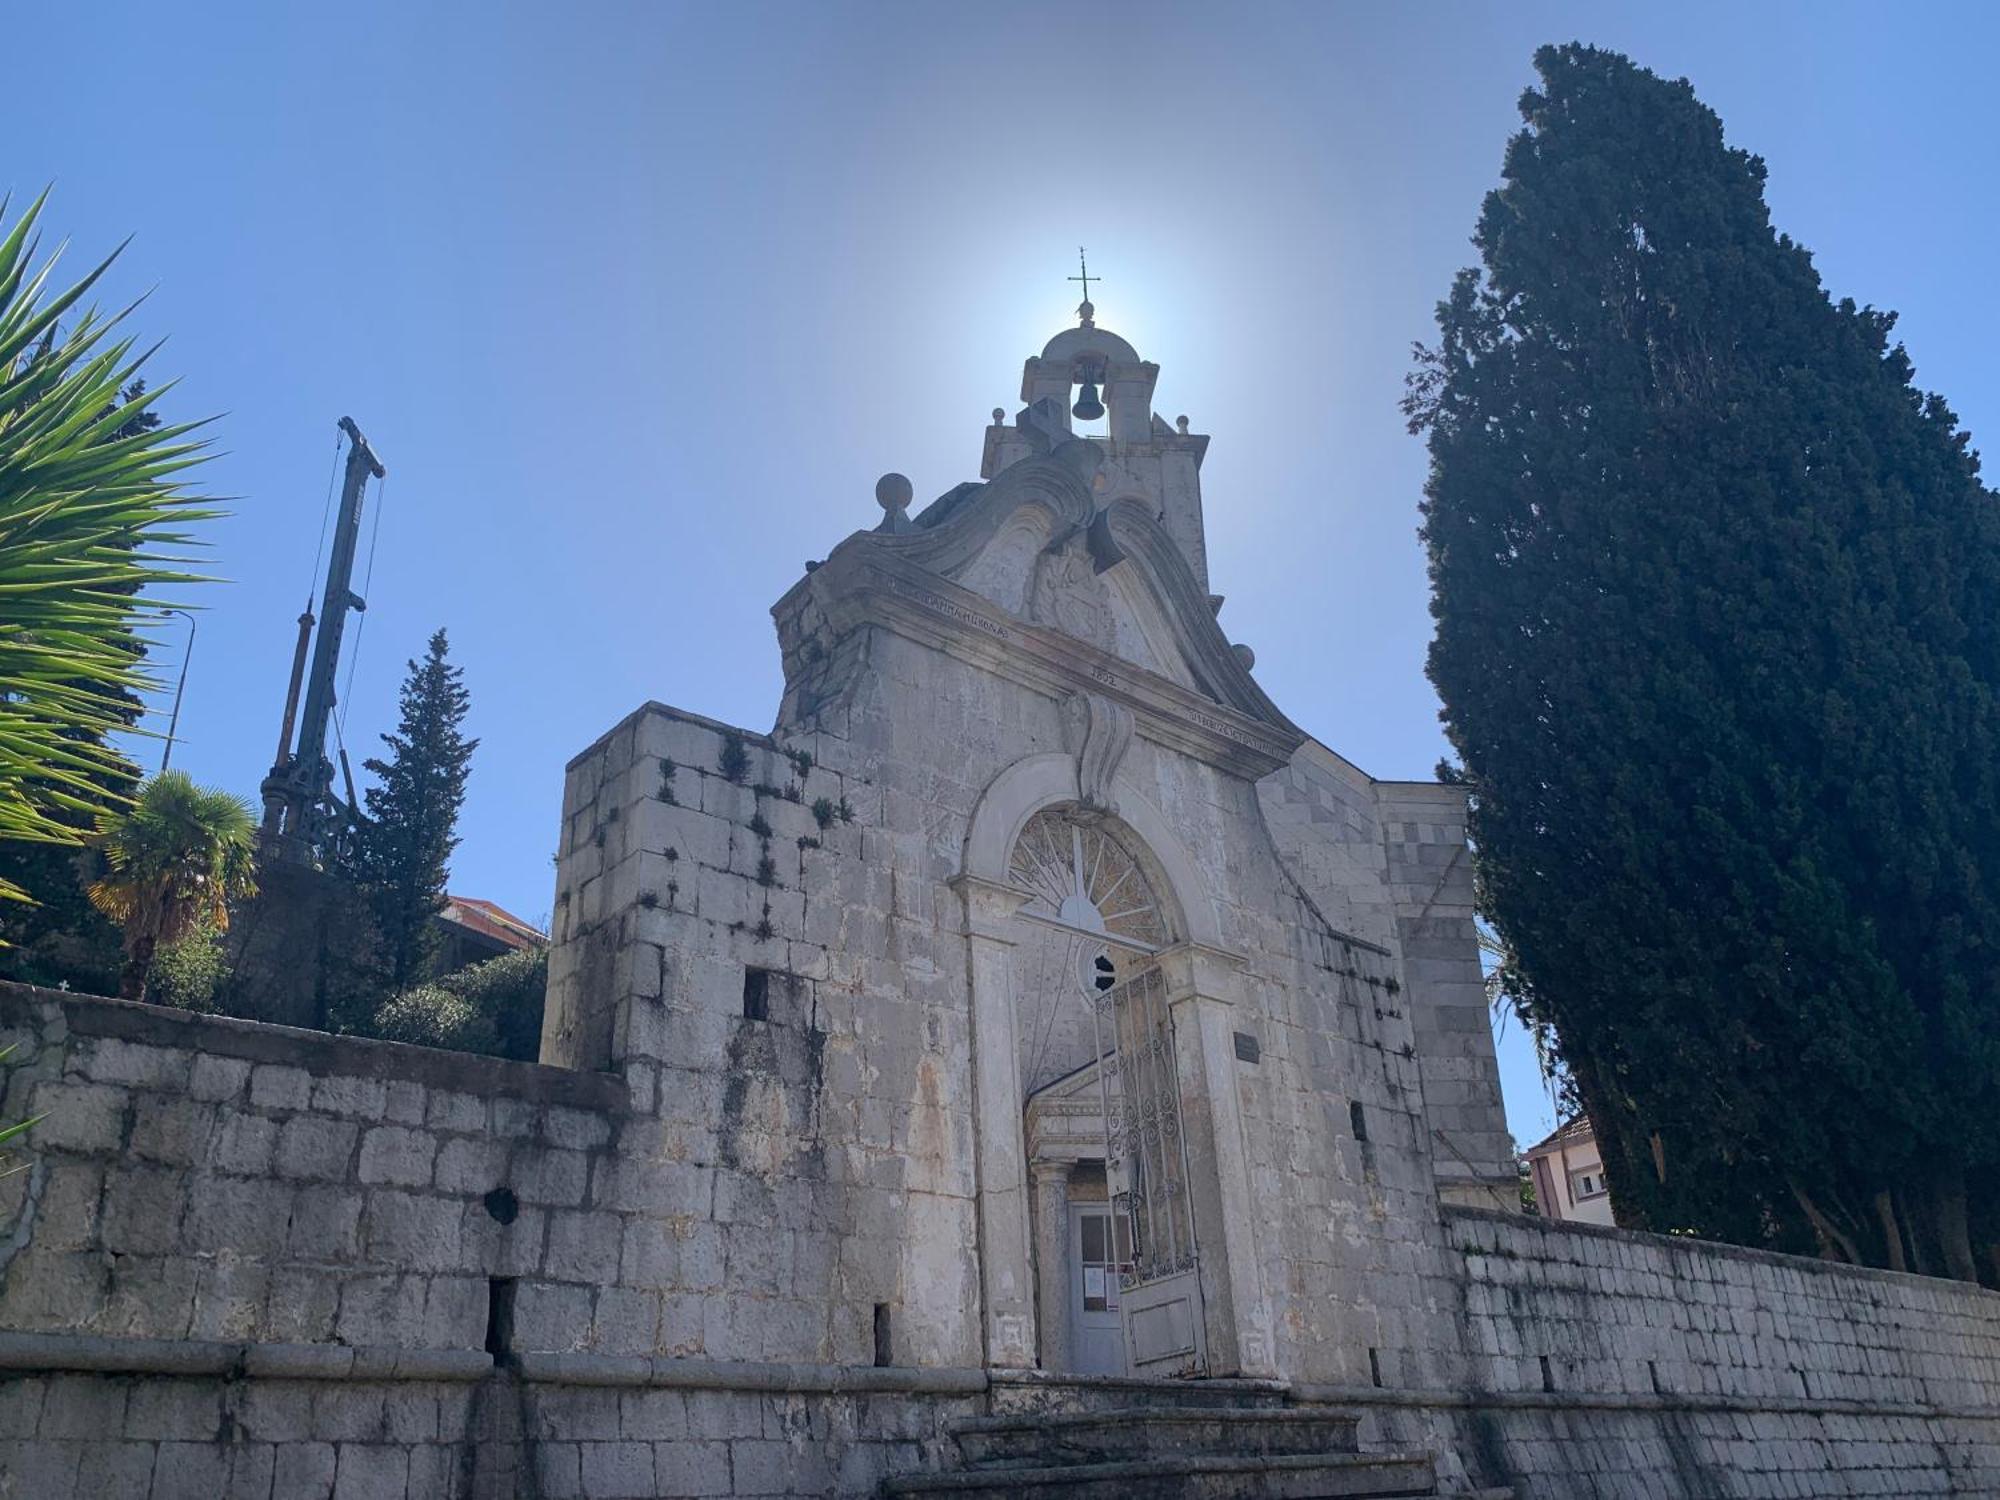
(999, 415)
(892, 492)
(1182, 424)
(1245, 655)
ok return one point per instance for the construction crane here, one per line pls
(302, 818)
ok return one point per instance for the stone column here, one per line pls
(1052, 1267)
(1000, 1149)
(1202, 986)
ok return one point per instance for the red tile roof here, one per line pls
(1572, 1132)
(492, 920)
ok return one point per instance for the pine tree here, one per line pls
(1717, 597)
(405, 845)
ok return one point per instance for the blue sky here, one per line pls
(637, 301)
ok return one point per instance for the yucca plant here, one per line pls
(89, 521)
(178, 857)
(16, 1130)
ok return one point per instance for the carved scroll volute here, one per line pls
(1097, 732)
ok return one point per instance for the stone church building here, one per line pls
(1036, 1067)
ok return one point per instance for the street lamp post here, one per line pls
(167, 755)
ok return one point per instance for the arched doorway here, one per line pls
(1117, 1268)
(1053, 882)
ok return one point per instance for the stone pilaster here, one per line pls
(1001, 1149)
(1202, 988)
(1052, 1267)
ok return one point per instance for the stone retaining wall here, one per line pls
(194, 1177)
(249, 1261)
(1609, 1365)
(91, 1420)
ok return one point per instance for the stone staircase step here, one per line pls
(1315, 1476)
(1134, 1433)
(1031, 1391)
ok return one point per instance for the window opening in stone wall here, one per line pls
(1358, 1120)
(756, 994)
(885, 1352)
(1548, 1373)
(500, 1317)
(1374, 1367)
(1103, 973)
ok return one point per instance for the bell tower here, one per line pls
(1081, 374)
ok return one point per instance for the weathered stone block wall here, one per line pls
(815, 1164)
(244, 1260)
(191, 1423)
(1430, 876)
(200, 1177)
(1353, 1261)
(1618, 1365)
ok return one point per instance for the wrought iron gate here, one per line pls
(1145, 1158)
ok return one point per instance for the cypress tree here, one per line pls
(1717, 602)
(403, 849)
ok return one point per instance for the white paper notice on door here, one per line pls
(1093, 1281)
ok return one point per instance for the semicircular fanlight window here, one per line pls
(1081, 876)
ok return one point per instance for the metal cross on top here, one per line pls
(1086, 278)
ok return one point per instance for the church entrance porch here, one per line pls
(1064, 900)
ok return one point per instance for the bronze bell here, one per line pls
(1088, 408)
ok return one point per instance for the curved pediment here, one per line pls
(1027, 542)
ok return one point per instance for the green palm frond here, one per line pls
(89, 523)
(178, 856)
(19, 1127)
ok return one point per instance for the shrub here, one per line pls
(432, 1016)
(493, 1007)
(186, 974)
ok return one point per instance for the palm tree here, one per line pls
(91, 511)
(179, 856)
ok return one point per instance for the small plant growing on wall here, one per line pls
(767, 871)
(760, 827)
(802, 762)
(735, 759)
(846, 812)
(667, 769)
(823, 813)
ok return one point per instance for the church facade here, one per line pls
(1184, 1011)
(1034, 1068)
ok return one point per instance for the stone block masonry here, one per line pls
(250, 1261)
(1621, 1366)
(734, 937)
